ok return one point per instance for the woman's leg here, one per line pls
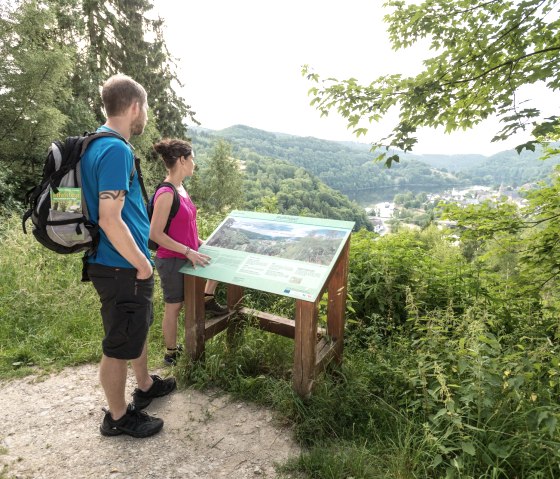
(210, 304)
(210, 287)
(169, 325)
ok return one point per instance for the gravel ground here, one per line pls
(50, 429)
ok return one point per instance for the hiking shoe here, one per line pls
(160, 387)
(171, 356)
(135, 423)
(213, 308)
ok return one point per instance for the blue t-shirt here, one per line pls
(106, 166)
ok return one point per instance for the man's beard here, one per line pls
(137, 127)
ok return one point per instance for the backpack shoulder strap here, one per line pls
(136, 167)
(89, 137)
(176, 201)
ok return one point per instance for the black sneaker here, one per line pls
(161, 387)
(135, 423)
(213, 308)
(171, 356)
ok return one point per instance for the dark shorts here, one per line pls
(126, 309)
(172, 282)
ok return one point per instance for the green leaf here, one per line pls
(468, 447)
(438, 459)
(501, 450)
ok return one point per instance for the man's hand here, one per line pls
(145, 272)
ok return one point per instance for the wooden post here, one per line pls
(305, 347)
(336, 309)
(194, 316)
(234, 296)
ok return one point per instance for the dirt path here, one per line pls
(50, 429)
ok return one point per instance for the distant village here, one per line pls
(380, 214)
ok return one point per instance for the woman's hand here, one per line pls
(197, 258)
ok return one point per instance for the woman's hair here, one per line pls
(170, 150)
(119, 92)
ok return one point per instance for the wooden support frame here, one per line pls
(314, 347)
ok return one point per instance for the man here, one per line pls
(121, 269)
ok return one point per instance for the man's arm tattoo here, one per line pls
(112, 195)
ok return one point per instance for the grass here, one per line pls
(48, 318)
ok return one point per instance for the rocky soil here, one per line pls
(50, 429)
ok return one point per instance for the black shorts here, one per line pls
(126, 309)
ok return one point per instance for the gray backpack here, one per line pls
(57, 207)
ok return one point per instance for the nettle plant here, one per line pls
(487, 407)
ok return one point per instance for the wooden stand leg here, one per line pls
(305, 349)
(234, 296)
(336, 309)
(194, 316)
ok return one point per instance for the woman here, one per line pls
(180, 243)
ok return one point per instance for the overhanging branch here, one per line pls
(502, 65)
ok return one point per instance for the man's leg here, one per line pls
(112, 375)
(140, 367)
(125, 335)
(149, 386)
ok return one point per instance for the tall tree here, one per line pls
(55, 54)
(123, 38)
(34, 76)
(486, 50)
(219, 186)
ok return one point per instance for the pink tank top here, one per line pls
(183, 226)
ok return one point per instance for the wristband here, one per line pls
(187, 251)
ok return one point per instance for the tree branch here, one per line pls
(549, 279)
(472, 9)
(497, 67)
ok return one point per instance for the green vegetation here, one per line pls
(451, 362)
(343, 167)
(412, 209)
(48, 318)
(217, 186)
(504, 168)
(278, 187)
(448, 372)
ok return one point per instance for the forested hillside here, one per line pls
(507, 167)
(349, 167)
(271, 185)
(341, 166)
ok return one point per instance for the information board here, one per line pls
(287, 255)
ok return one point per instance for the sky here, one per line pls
(240, 63)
